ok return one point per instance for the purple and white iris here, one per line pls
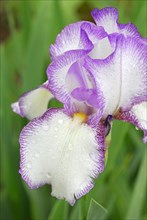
(98, 72)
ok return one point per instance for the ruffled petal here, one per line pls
(122, 76)
(93, 32)
(102, 49)
(100, 40)
(63, 152)
(33, 103)
(72, 37)
(129, 30)
(108, 19)
(65, 74)
(137, 116)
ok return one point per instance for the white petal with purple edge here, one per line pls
(61, 151)
(140, 112)
(15, 107)
(33, 103)
(108, 19)
(121, 77)
(58, 71)
(137, 116)
(70, 38)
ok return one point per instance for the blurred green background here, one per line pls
(27, 30)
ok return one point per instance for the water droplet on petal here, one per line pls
(48, 175)
(60, 121)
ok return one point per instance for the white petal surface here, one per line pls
(122, 77)
(68, 39)
(102, 49)
(35, 102)
(107, 18)
(140, 112)
(59, 150)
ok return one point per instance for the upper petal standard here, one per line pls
(114, 75)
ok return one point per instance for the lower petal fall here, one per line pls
(61, 151)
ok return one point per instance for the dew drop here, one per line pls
(60, 121)
(48, 175)
(29, 165)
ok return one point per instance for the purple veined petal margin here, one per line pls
(18, 107)
(57, 68)
(143, 40)
(101, 130)
(101, 16)
(141, 49)
(72, 37)
(92, 65)
(129, 30)
(141, 60)
(30, 125)
(94, 32)
(22, 97)
(99, 158)
(128, 116)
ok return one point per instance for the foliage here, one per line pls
(28, 30)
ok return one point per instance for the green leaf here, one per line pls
(139, 192)
(96, 211)
(59, 211)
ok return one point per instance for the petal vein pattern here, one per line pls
(59, 150)
(71, 37)
(108, 19)
(122, 76)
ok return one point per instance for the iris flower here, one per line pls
(98, 72)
